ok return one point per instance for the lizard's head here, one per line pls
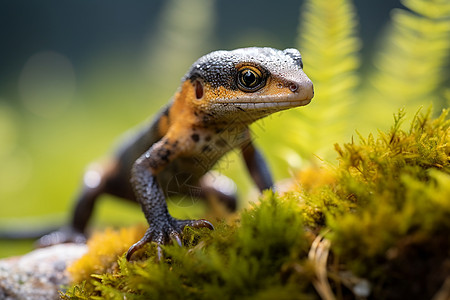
(247, 83)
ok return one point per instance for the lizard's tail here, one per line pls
(29, 228)
(26, 234)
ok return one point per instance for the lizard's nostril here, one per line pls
(293, 87)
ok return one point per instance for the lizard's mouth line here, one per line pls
(269, 103)
(265, 103)
(287, 101)
(272, 104)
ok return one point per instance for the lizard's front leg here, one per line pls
(162, 226)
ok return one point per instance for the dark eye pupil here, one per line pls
(249, 78)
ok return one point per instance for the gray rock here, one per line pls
(39, 274)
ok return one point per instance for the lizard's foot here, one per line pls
(164, 232)
(63, 235)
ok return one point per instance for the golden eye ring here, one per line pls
(250, 79)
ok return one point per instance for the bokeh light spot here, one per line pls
(92, 178)
(47, 84)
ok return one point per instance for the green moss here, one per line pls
(384, 177)
(389, 210)
(242, 259)
(385, 211)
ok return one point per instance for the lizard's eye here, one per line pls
(250, 79)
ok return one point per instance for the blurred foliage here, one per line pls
(329, 45)
(413, 60)
(183, 36)
(384, 212)
(42, 156)
(410, 69)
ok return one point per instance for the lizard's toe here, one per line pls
(171, 231)
(138, 245)
(175, 236)
(160, 237)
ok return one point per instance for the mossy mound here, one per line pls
(375, 227)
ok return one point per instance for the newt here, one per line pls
(220, 96)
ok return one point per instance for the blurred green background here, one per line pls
(74, 75)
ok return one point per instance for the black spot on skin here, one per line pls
(206, 148)
(240, 108)
(164, 154)
(196, 113)
(195, 137)
(208, 138)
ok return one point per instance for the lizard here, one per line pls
(222, 93)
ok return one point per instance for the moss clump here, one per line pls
(243, 259)
(398, 235)
(376, 226)
(104, 248)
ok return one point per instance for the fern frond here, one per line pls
(329, 46)
(183, 36)
(410, 66)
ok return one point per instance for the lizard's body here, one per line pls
(220, 96)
